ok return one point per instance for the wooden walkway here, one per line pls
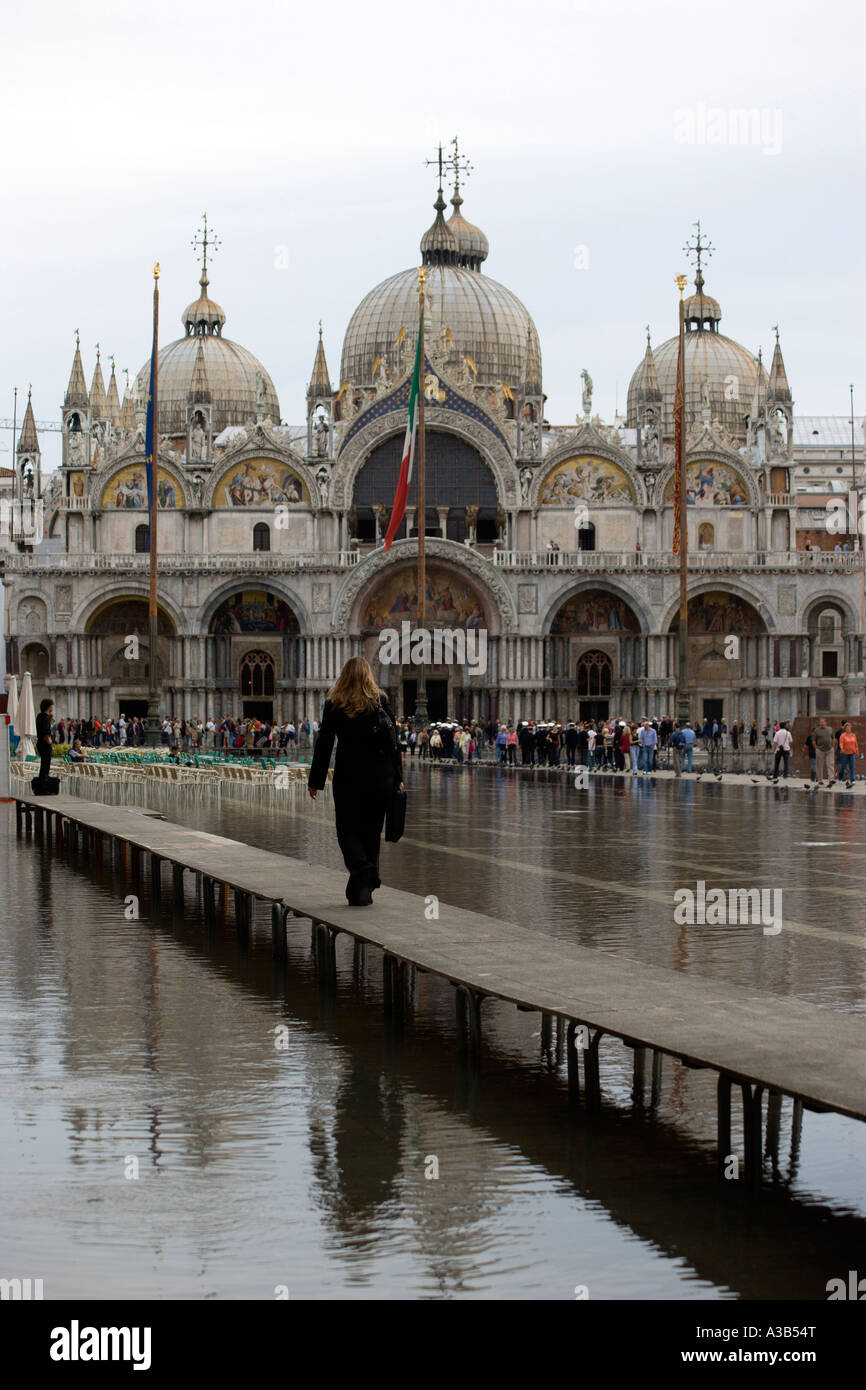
(757, 1041)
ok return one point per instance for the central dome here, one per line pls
(467, 315)
(232, 373)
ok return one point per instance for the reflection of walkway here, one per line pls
(786, 1045)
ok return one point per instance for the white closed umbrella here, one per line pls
(12, 701)
(26, 716)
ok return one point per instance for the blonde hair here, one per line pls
(355, 690)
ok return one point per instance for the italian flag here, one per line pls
(401, 496)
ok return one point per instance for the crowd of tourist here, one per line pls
(614, 745)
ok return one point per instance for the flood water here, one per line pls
(181, 1118)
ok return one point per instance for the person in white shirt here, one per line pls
(211, 732)
(590, 745)
(782, 742)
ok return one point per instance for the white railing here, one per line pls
(666, 562)
(260, 562)
(781, 499)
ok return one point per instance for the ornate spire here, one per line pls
(531, 383)
(98, 404)
(127, 410)
(473, 246)
(28, 440)
(320, 382)
(204, 316)
(439, 245)
(112, 399)
(778, 388)
(649, 389)
(76, 392)
(199, 388)
(701, 310)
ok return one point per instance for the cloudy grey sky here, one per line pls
(594, 133)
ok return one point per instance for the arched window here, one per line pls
(457, 477)
(586, 536)
(594, 673)
(827, 628)
(706, 536)
(257, 675)
(261, 536)
(142, 540)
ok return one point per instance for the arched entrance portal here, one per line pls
(258, 683)
(594, 683)
(724, 636)
(596, 645)
(454, 610)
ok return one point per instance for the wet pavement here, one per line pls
(282, 1137)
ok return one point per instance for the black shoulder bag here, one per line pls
(385, 735)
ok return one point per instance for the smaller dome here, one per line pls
(473, 246)
(439, 245)
(701, 310)
(204, 315)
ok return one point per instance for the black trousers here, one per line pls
(360, 819)
(44, 763)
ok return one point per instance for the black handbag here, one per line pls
(395, 816)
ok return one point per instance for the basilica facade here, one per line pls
(555, 540)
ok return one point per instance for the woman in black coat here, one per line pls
(367, 770)
(44, 720)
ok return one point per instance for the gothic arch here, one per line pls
(494, 453)
(270, 583)
(813, 606)
(462, 559)
(719, 583)
(102, 479)
(608, 586)
(734, 462)
(261, 448)
(128, 589)
(592, 445)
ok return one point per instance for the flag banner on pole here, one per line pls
(148, 438)
(404, 479)
(679, 481)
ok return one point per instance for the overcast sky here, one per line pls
(592, 127)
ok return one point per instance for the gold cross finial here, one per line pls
(458, 165)
(203, 240)
(698, 249)
(681, 280)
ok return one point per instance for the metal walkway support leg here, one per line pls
(244, 912)
(359, 960)
(796, 1135)
(774, 1129)
(572, 1050)
(177, 886)
(638, 1078)
(278, 930)
(208, 893)
(38, 823)
(723, 1121)
(394, 989)
(591, 1076)
(752, 1120)
(155, 877)
(656, 1091)
(19, 818)
(469, 1003)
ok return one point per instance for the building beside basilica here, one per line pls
(556, 539)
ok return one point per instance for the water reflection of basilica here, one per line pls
(556, 539)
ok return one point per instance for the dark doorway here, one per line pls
(594, 709)
(437, 699)
(713, 710)
(259, 709)
(131, 707)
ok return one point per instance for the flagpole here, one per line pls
(681, 520)
(421, 716)
(153, 711)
